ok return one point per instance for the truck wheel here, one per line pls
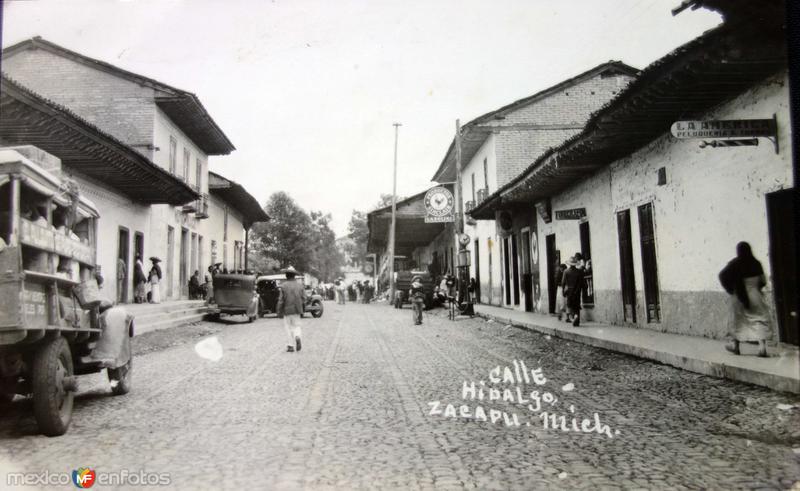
(53, 387)
(122, 377)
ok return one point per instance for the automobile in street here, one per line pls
(268, 289)
(235, 294)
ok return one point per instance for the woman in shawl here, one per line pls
(155, 278)
(140, 280)
(743, 278)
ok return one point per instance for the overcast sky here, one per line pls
(308, 90)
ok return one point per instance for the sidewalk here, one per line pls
(781, 371)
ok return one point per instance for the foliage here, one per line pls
(359, 231)
(296, 238)
(326, 259)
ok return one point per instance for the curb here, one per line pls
(712, 369)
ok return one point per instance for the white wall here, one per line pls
(163, 129)
(212, 229)
(713, 199)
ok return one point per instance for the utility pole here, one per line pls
(459, 225)
(459, 219)
(392, 229)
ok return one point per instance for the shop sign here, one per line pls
(439, 205)
(728, 128)
(573, 214)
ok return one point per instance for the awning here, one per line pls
(237, 196)
(411, 231)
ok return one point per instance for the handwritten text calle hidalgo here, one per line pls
(519, 386)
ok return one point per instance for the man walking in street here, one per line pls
(291, 299)
(417, 296)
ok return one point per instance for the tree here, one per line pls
(285, 238)
(326, 260)
(359, 231)
(295, 238)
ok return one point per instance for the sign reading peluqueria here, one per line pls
(728, 128)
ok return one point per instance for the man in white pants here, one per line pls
(291, 300)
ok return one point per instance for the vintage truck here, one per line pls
(54, 323)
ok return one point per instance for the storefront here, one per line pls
(656, 216)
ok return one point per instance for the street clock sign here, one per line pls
(439, 205)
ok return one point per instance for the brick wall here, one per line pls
(569, 108)
(121, 108)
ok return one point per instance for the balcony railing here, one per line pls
(201, 207)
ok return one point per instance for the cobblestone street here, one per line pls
(352, 410)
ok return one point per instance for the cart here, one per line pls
(53, 326)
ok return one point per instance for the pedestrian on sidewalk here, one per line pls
(572, 285)
(155, 279)
(417, 295)
(140, 280)
(560, 307)
(291, 299)
(743, 278)
(122, 274)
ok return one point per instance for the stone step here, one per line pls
(149, 317)
(149, 308)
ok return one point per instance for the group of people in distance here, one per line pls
(357, 291)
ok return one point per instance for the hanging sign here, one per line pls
(573, 214)
(729, 128)
(439, 205)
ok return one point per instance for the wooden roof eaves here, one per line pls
(177, 189)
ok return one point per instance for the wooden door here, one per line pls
(628, 282)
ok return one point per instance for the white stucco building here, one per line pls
(171, 130)
(660, 216)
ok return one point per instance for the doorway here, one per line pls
(194, 267)
(184, 264)
(477, 262)
(586, 252)
(506, 271)
(170, 258)
(489, 244)
(553, 260)
(123, 265)
(138, 245)
(649, 263)
(515, 267)
(626, 266)
(783, 262)
(527, 275)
